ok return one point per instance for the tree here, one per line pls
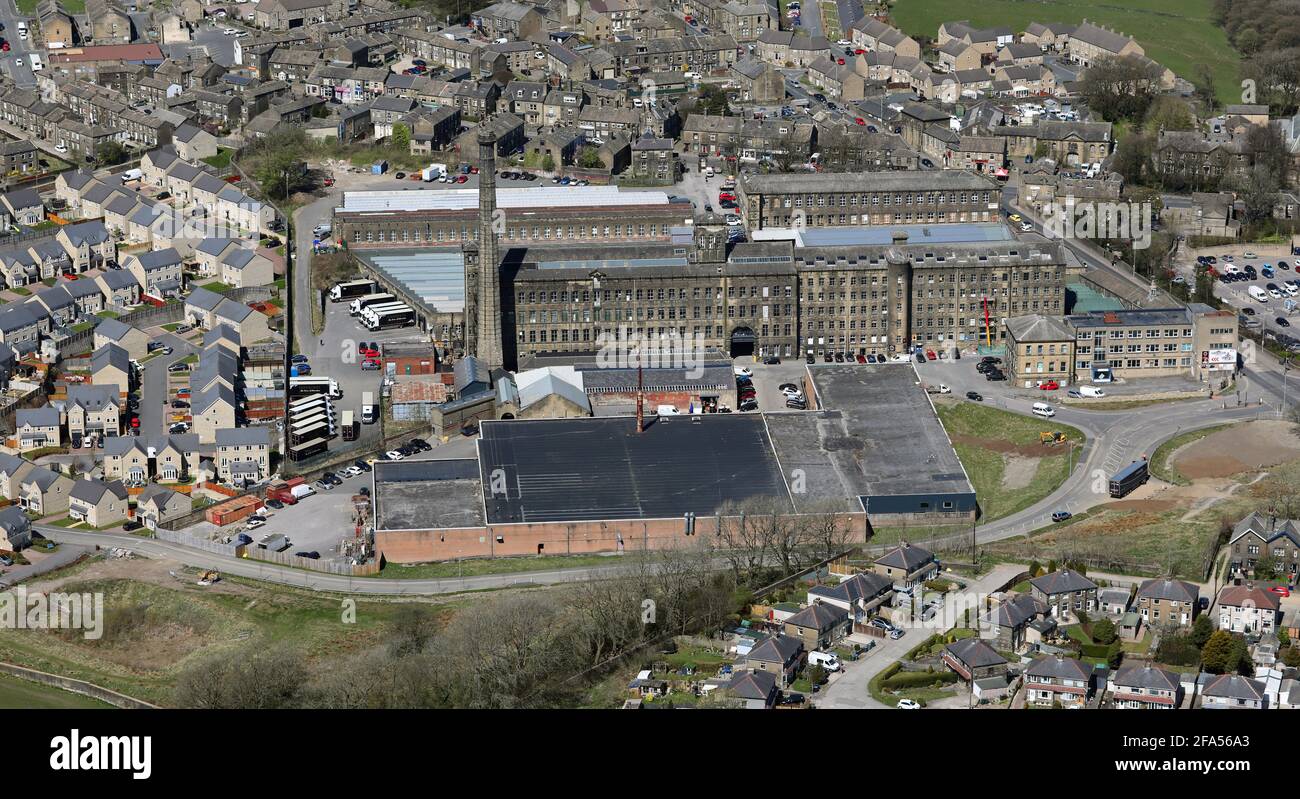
(111, 153)
(1291, 657)
(548, 163)
(1267, 568)
(1120, 88)
(1168, 113)
(1103, 631)
(1202, 629)
(589, 158)
(1219, 655)
(1133, 157)
(401, 136)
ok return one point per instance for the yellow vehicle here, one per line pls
(1014, 217)
(209, 577)
(1052, 438)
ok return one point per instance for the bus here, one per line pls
(310, 432)
(300, 387)
(349, 427)
(1129, 478)
(350, 289)
(368, 300)
(390, 317)
(300, 452)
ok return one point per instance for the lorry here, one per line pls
(432, 172)
(352, 288)
(368, 407)
(276, 542)
(349, 427)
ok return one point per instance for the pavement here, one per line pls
(847, 689)
(42, 563)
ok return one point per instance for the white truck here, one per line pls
(367, 407)
(432, 172)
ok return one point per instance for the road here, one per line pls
(848, 689)
(154, 403)
(19, 49)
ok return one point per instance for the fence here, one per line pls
(147, 317)
(77, 687)
(759, 593)
(326, 566)
(194, 542)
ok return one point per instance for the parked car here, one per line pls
(1061, 515)
(394, 455)
(312, 555)
(362, 465)
(179, 427)
(908, 704)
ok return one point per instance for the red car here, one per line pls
(858, 51)
(462, 178)
(1280, 590)
(5, 47)
(1050, 385)
(860, 120)
(839, 61)
(723, 196)
(930, 356)
(369, 353)
(861, 358)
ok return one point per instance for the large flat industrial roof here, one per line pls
(437, 277)
(557, 470)
(428, 494)
(881, 235)
(890, 428)
(467, 199)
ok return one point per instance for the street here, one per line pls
(155, 409)
(20, 49)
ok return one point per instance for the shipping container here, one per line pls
(231, 510)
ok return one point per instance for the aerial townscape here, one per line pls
(649, 354)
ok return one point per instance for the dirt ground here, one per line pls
(1018, 472)
(1005, 447)
(1240, 448)
(155, 571)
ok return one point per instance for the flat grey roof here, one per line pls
(890, 428)
(437, 277)
(466, 199)
(423, 495)
(880, 235)
(601, 468)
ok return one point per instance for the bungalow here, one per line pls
(1010, 621)
(98, 503)
(1234, 692)
(1053, 678)
(780, 655)
(818, 625)
(973, 658)
(756, 689)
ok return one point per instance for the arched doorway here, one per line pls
(743, 340)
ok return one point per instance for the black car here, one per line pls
(920, 357)
(798, 405)
(362, 465)
(313, 555)
(364, 491)
(132, 525)
(810, 358)
(828, 358)
(1248, 311)
(787, 387)
(275, 504)
(421, 444)
(1061, 515)
(469, 430)
(400, 176)
(180, 404)
(974, 396)
(771, 360)
(995, 376)
(750, 404)
(1282, 322)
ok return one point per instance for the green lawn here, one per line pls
(1178, 33)
(18, 694)
(222, 159)
(478, 566)
(216, 287)
(986, 465)
(108, 314)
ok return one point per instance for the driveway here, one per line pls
(848, 689)
(154, 402)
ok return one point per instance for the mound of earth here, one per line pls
(1240, 448)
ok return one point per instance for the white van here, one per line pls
(826, 660)
(1091, 391)
(668, 410)
(1257, 294)
(302, 491)
(1043, 409)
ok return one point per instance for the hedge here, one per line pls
(918, 679)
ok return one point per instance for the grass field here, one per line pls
(152, 632)
(1177, 33)
(16, 694)
(989, 441)
(478, 566)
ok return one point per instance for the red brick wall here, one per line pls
(577, 538)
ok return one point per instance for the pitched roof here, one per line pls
(906, 556)
(1173, 590)
(777, 649)
(1062, 581)
(818, 616)
(975, 652)
(753, 685)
